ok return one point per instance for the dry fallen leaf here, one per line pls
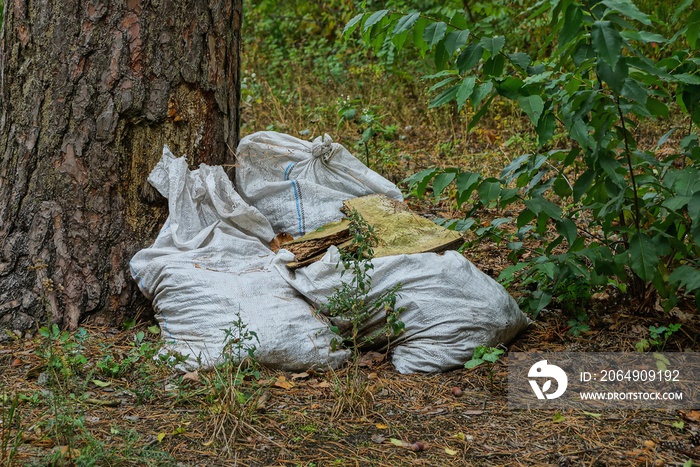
(276, 243)
(377, 439)
(100, 384)
(691, 415)
(66, 451)
(322, 384)
(282, 382)
(381, 426)
(303, 375)
(192, 376)
(371, 358)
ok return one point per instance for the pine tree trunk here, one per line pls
(91, 90)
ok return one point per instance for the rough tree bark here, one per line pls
(91, 90)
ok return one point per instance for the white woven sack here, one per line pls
(300, 186)
(451, 306)
(208, 266)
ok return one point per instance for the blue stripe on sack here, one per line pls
(288, 170)
(297, 197)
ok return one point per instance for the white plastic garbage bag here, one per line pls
(450, 306)
(209, 265)
(300, 186)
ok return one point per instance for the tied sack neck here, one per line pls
(324, 148)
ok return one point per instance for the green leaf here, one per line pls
(694, 208)
(687, 183)
(525, 217)
(466, 183)
(633, 91)
(567, 229)
(607, 42)
(444, 97)
(494, 65)
(629, 9)
(399, 40)
(374, 18)
(434, 33)
(546, 127)
(442, 83)
(489, 190)
(521, 59)
(681, 9)
(540, 205)
(691, 100)
(466, 88)
(613, 76)
(419, 182)
(483, 90)
(686, 78)
(540, 299)
(469, 57)
(352, 24)
(686, 277)
(493, 355)
(440, 56)
(693, 30)
(533, 107)
(455, 40)
(473, 363)
(644, 36)
(493, 44)
(418, 31)
(573, 21)
(441, 182)
(643, 257)
(100, 384)
(580, 133)
(405, 23)
(656, 107)
(583, 183)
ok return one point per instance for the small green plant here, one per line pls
(141, 349)
(10, 428)
(369, 126)
(658, 337)
(679, 425)
(578, 324)
(65, 364)
(61, 351)
(233, 388)
(484, 355)
(350, 308)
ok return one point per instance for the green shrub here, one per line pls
(598, 207)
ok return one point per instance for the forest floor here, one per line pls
(69, 412)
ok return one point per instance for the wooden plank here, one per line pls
(398, 229)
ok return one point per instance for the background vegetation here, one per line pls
(589, 108)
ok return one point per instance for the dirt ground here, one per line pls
(155, 416)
